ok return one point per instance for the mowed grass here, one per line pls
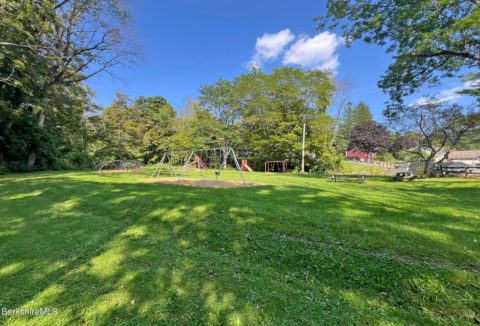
(297, 250)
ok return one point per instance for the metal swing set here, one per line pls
(179, 163)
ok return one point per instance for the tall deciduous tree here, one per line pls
(430, 39)
(222, 100)
(134, 129)
(72, 40)
(195, 128)
(270, 109)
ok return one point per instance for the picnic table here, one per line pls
(473, 170)
(404, 175)
(454, 169)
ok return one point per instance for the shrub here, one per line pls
(4, 168)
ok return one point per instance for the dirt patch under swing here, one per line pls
(122, 171)
(202, 183)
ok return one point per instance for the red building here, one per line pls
(359, 155)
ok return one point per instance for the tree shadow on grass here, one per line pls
(136, 253)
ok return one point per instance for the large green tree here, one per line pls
(196, 128)
(48, 48)
(269, 110)
(429, 39)
(133, 129)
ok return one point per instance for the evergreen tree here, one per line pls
(352, 116)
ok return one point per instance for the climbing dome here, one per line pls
(119, 166)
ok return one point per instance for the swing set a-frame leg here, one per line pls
(231, 151)
(157, 169)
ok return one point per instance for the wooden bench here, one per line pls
(337, 177)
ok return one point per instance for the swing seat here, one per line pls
(179, 175)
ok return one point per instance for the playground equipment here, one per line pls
(180, 163)
(276, 166)
(245, 166)
(119, 165)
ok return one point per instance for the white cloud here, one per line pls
(270, 46)
(446, 95)
(449, 95)
(317, 52)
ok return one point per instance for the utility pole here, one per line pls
(303, 149)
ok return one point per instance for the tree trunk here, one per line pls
(8, 127)
(31, 159)
(32, 156)
(41, 119)
(6, 131)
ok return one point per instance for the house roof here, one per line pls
(464, 155)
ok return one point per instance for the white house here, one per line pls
(466, 157)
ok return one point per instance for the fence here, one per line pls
(385, 165)
(414, 167)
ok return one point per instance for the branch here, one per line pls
(6, 80)
(16, 45)
(59, 5)
(447, 53)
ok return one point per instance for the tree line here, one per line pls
(48, 49)
(261, 115)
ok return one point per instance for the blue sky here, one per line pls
(189, 43)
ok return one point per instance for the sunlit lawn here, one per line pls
(111, 249)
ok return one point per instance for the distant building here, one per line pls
(466, 157)
(359, 155)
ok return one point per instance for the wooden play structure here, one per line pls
(198, 163)
(276, 166)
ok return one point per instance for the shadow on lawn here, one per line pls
(197, 255)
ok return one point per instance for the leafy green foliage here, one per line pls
(47, 49)
(351, 117)
(321, 153)
(137, 129)
(430, 39)
(268, 110)
(196, 128)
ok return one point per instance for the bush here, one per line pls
(385, 157)
(326, 161)
(78, 160)
(407, 156)
(4, 168)
(16, 166)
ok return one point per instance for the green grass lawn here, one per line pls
(297, 250)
